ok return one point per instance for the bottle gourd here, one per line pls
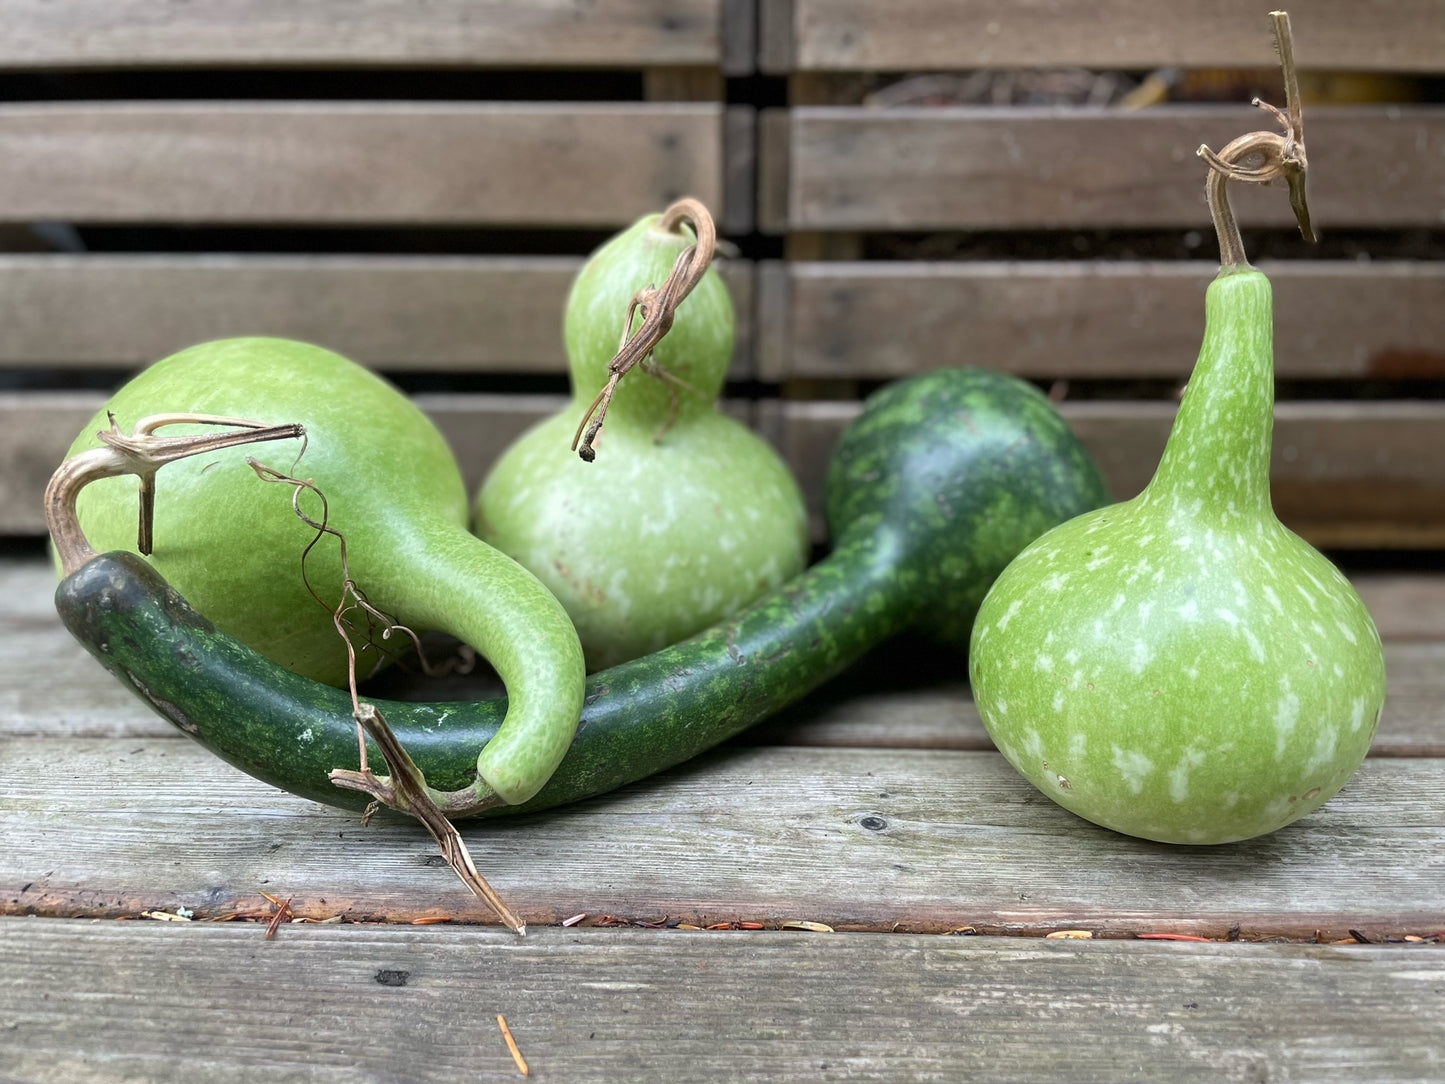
(685, 515)
(1181, 666)
(233, 545)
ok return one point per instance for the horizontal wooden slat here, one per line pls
(1345, 474)
(91, 1002)
(49, 687)
(918, 168)
(508, 164)
(858, 839)
(497, 33)
(883, 319)
(438, 313)
(916, 35)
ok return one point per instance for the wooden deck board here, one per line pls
(87, 1002)
(869, 839)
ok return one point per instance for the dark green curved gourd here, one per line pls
(932, 490)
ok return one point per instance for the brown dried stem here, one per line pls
(404, 788)
(658, 308)
(1262, 157)
(141, 453)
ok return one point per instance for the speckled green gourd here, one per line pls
(232, 545)
(1181, 666)
(679, 521)
(934, 487)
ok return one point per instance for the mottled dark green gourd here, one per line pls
(685, 514)
(1181, 666)
(939, 482)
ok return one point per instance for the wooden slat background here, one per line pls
(514, 164)
(398, 313)
(883, 319)
(824, 35)
(923, 168)
(388, 33)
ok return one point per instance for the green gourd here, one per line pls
(932, 489)
(685, 515)
(233, 545)
(1181, 666)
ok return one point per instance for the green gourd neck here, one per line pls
(446, 580)
(1216, 462)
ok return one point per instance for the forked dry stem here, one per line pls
(1262, 157)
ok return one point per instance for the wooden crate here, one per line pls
(1359, 332)
(405, 172)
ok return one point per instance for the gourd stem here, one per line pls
(658, 307)
(1262, 157)
(141, 453)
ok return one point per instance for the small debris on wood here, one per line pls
(430, 920)
(283, 913)
(512, 1046)
(1070, 935)
(574, 919)
(165, 916)
(1172, 937)
(811, 927)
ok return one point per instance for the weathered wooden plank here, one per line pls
(884, 319)
(512, 164)
(922, 35)
(852, 168)
(859, 839)
(268, 33)
(397, 313)
(1344, 474)
(102, 1001)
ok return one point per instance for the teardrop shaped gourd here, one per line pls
(1181, 666)
(685, 515)
(233, 545)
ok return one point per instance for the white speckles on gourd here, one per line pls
(1221, 675)
(1134, 767)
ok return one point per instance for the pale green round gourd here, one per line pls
(1181, 666)
(686, 515)
(232, 544)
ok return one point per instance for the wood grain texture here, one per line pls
(395, 313)
(1086, 320)
(269, 33)
(851, 168)
(923, 35)
(89, 1002)
(506, 164)
(1345, 474)
(921, 841)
